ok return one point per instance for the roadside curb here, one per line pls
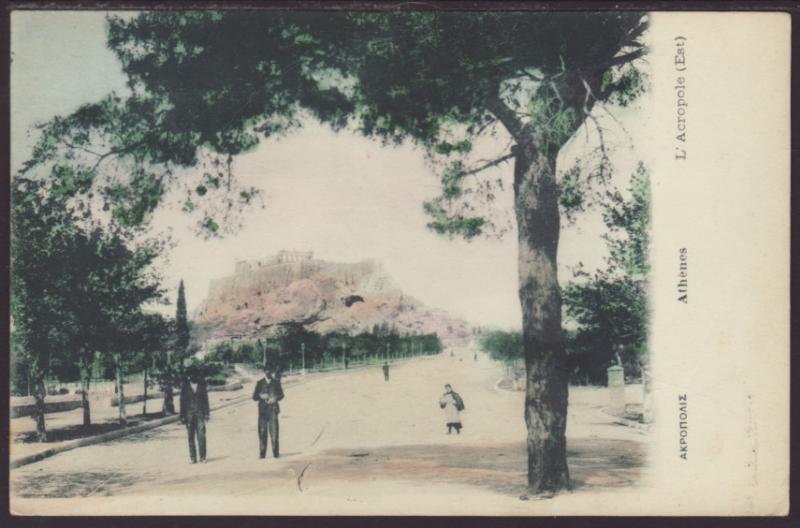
(498, 388)
(626, 422)
(645, 428)
(497, 385)
(36, 457)
(113, 435)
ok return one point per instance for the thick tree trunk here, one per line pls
(144, 402)
(87, 412)
(39, 394)
(86, 377)
(538, 221)
(169, 401)
(123, 417)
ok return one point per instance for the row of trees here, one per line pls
(77, 294)
(502, 345)
(608, 308)
(443, 80)
(293, 347)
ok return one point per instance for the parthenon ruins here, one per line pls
(282, 257)
(293, 256)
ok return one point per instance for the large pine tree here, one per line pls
(213, 83)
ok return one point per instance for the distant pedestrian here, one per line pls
(386, 371)
(194, 412)
(475, 357)
(452, 404)
(268, 393)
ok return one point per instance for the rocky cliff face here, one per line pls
(324, 296)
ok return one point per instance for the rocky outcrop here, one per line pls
(324, 296)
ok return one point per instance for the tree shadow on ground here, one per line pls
(75, 484)
(159, 433)
(215, 459)
(74, 432)
(593, 463)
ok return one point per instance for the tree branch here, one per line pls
(633, 34)
(622, 59)
(113, 152)
(604, 159)
(621, 126)
(78, 147)
(485, 126)
(489, 164)
(589, 93)
(532, 77)
(508, 117)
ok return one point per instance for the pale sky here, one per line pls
(341, 195)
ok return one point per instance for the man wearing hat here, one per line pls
(195, 410)
(268, 393)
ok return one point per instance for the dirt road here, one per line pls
(351, 443)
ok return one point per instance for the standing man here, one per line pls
(195, 412)
(268, 393)
(386, 371)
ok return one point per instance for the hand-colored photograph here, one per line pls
(340, 262)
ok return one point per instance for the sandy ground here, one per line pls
(351, 443)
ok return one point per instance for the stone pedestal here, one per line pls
(616, 390)
(647, 396)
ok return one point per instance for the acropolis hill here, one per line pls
(325, 296)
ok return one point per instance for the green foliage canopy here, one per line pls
(439, 78)
(43, 241)
(74, 282)
(502, 345)
(610, 306)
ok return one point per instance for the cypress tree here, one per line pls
(181, 324)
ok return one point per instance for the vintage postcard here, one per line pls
(339, 262)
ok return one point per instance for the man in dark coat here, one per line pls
(386, 371)
(268, 393)
(195, 413)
